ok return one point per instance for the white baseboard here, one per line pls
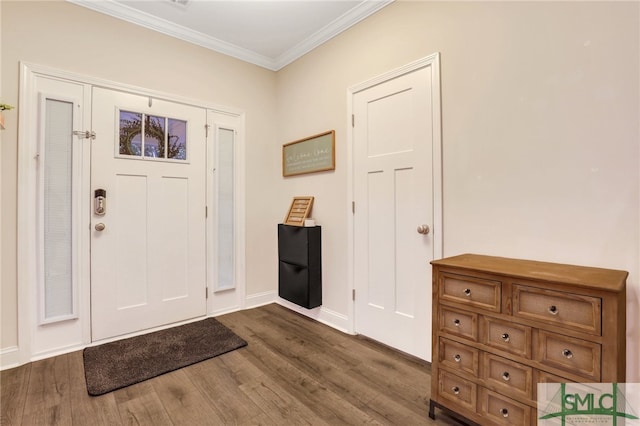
(224, 311)
(321, 314)
(57, 351)
(9, 358)
(336, 320)
(260, 299)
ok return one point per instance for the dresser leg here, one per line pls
(432, 410)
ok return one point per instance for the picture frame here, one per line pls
(309, 155)
(299, 210)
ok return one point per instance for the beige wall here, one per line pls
(72, 38)
(540, 121)
(539, 117)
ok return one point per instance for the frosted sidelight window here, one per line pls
(225, 172)
(56, 181)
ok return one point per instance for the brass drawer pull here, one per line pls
(553, 310)
(506, 376)
(505, 337)
(456, 390)
(467, 292)
(457, 358)
(456, 322)
(567, 353)
(504, 412)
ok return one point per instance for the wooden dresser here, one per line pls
(500, 326)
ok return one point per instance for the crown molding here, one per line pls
(343, 23)
(143, 19)
(137, 17)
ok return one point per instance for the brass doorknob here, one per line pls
(423, 229)
(100, 226)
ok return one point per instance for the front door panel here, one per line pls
(148, 245)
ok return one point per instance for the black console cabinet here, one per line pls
(300, 265)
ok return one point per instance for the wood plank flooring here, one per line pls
(294, 371)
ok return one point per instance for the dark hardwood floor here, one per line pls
(294, 371)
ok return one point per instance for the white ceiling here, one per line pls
(268, 33)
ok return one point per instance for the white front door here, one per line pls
(393, 145)
(148, 248)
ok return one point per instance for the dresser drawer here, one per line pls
(573, 355)
(544, 377)
(463, 324)
(501, 410)
(563, 309)
(471, 291)
(541, 377)
(506, 336)
(508, 376)
(458, 390)
(458, 357)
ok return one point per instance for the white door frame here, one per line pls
(27, 285)
(31, 336)
(432, 61)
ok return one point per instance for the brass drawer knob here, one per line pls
(504, 412)
(505, 337)
(455, 390)
(567, 353)
(553, 310)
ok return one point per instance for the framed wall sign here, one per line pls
(299, 210)
(313, 154)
